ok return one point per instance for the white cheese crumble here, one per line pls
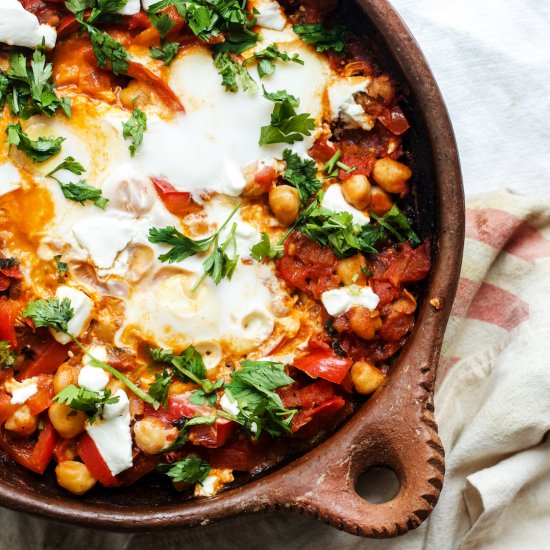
(19, 27)
(20, 392)
(343, 104)
(9, 178)
(131, 8)
(90, 377)
(112, 435)
(229, 405)
(215, 480)
(334, 200)
(82, 307)
(340, 300)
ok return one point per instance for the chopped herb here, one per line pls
(189, 470)
(107, 50)
(189, 365)
(237, 42)
(70, 164)
(183, 425)
(81, 192)
(81, 399)
(134, 128)
(182, 246)
(264, 249)
(30, 90)
(7, 355)
(62, 267)
(159, 388)
(166, 52)
(267, 57)
(302, 173)
(99, 8)
(38, 150)
(207, 395)
(234, 73)
(286, 125)
(394, 220)
(260, 408)
(323, 39)
(56, 314)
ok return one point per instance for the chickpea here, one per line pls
(67, 422)
(22, 422)
(151, 435)
(74, 476)
(365, 323)
(65, 376)
(284, 202)
(356, 191)
(350, 270)
(365, 377)
(392, 176)
(380, 201)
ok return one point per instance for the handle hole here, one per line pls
(377, 485)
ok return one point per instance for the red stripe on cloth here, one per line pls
(500, 229)
(489, 303)
(528, 243)
(445, 365)
(490, 225)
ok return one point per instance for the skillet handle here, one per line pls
(397, 433)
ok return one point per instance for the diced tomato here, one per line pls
(385, 291)
(213, 435)
(322, 151)
(324, 364)
(34, 457)
(46, 360)
(394, 120)
(307, 265)
(265, 176)
(179, 203)
(396, 325)
(7, 408)
(362, 165)
(137, 21)
(143, 465)
(241, 454)
(178, 407)
(308, 396)
(9, 311)
(141, 72)
(9, 270)
(90, 455)
(315, 418)
(41, 400)
(405, 265)
(67, 25)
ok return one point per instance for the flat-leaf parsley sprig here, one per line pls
(56, 314)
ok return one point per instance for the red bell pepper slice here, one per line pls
(143, 464)
(324, 364)
(46, 361)
(90, 455)
(34, 457)
(212, 435)
(9, 311)
(42, 399)
(177, 202)
(241, 454)
(7, 408)
(316, 417)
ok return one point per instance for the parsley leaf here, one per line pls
(134, 128)
(189, 470)
(99, 8)
(166, 53)
(107, 49)
(7, 355)
(52, 313)
(267, 56)
(70, 164)
(286, 125)
(234, 73)
(219, 264)
(323, 39)
(184, 425)
(162, 23)
(395, 220)
(237, 42)
(81, 399)
(207, 395)
(302, 173)
(30, 90)
(81, 192)
(189, 365)
(159, 388)
(264, 249)
(260, 407)
(183, 246)
(38, 150)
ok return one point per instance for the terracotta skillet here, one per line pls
(395, 428)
